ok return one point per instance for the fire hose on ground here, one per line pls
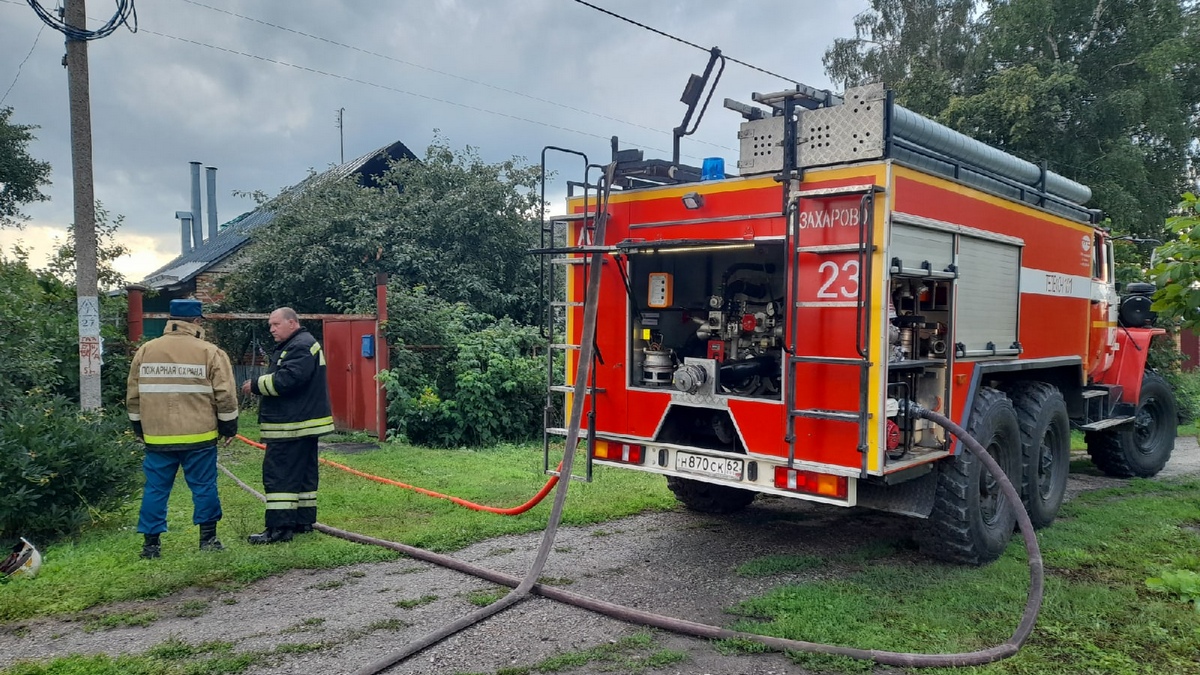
(523, 587)
(514, 511)
(631, 615)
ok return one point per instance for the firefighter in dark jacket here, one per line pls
(293, 412)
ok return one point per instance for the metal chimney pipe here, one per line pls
(197, 222)
(185, 230)
(210, 173)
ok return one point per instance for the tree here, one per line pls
(21, 176)
(40, 336)
(61, 468)
(919, 47)
(453, 233)
(40, 319)
(456, 225)
(1106, 92)
(1178, 270)
(108, 249)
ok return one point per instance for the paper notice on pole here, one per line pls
(89, 317)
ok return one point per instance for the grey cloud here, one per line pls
(159, 102)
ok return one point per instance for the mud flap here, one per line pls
(911, 498)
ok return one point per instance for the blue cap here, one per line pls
(185, 309)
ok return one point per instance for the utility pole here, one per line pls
(75, 16)
(341, 135)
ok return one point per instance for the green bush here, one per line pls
(1187, 394)
(1166, 359)
(62, 468)
(40, 338)
(499, 385)
(459, 377)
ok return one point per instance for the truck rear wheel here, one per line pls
(1142, 447)
(1045, 448)
(972, 520)
(704, 497)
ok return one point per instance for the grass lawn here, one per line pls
(1098, 616)
(102, 565)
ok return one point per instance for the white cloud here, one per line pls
(40, 241)
(146, 255)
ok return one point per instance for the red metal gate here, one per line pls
(353, 361)
(355, 352)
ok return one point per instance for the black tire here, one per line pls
(1045, 448)
(708, 497)
(972, 520)
(1142, 448)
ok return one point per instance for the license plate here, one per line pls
(709, 466)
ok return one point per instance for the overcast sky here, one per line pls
(504, 76)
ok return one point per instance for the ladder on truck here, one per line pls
(561, 251)
(864, 248)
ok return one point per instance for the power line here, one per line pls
(22, 64)
(124, 13)
(439, 72)
(680, 40)
(403, 91)
(385, 87)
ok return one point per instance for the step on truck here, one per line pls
(763, 333)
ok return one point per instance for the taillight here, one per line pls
(618, 452)
(823, 484)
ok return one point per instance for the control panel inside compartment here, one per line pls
(708, 318)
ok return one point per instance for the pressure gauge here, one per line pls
(661, 290)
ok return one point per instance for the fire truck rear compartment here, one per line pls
(725, 303)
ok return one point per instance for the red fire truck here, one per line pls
(763, 333)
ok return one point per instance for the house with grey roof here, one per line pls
(195, 273)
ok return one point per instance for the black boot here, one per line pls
(271, 535)
(208, 537)
(151, 548)
(303, 529)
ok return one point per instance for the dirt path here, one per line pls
(680, 564)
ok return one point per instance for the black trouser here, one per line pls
(290, 481)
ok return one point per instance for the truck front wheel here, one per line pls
(1140, 448)
(704, 497)
(972, 520)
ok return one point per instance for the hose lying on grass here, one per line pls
(513, 511)
(1004, 650)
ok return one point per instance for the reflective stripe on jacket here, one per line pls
(294, 390)
(180, 393)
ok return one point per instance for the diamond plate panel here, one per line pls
(911, 498)
(850, 132)
(761, 146)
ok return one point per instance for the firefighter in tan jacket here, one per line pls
(181, 397)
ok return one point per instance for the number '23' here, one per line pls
(848, 289)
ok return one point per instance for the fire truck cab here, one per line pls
(764, 332)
